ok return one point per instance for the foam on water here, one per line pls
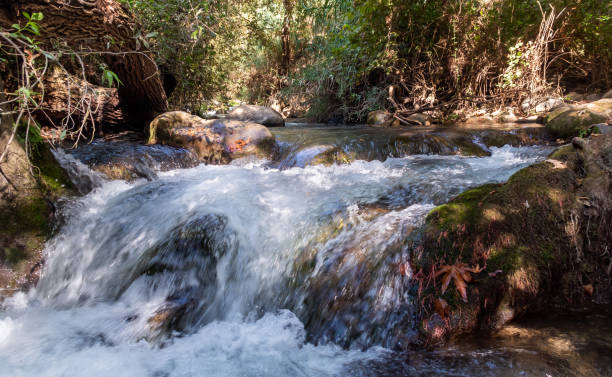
(88, 314)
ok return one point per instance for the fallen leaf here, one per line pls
(459, 273)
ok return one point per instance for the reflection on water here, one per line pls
(572, 345)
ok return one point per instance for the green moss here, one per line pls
(571, 122)
(563, 153)
(508, 259)
(464, 209)
(25, 222)
(51, 176)
(331, 156)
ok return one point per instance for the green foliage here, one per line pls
(204, 44)
(109, 77)
(30, 26)
(346, 53)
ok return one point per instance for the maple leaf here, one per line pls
(460, 274)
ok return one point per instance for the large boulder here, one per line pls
(539, 238)
(567, 122)
(213, 141)
(257, 114)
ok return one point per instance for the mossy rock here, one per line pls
(528, 232)
(28, 222)
(569, 122)
(602, 106)
(516, 138)
(466, 147)
(330, 156)
(439, 144)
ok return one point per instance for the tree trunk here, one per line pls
(286, 38)
(105, 27)
(85, 102)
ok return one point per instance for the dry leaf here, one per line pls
(460, 274)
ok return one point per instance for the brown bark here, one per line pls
(83, 102)
(100, 26)
(286, 38)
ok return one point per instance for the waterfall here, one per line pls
(242, 269)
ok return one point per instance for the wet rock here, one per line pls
(28, 218)
(257, 114)
(442, 144)
(566, 122)
(380, 118)
(601, 128)
(352, 289)
(129, 160)
(559, 201)
(330, 155)
(169, 316)
(519, 137)
(316, 155)
(185, 266)
(213, 141)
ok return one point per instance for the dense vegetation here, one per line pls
(344, 58)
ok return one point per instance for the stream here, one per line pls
(268, 268)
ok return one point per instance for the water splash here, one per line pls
(214, 252)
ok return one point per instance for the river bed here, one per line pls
(254, 269)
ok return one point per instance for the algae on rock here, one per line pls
(542, 236)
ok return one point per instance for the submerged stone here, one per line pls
(519, 137)
(129, 159)
(185, 266)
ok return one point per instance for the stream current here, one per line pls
(249, 270)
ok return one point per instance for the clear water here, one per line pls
(240, 256)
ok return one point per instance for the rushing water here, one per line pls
(241, 270)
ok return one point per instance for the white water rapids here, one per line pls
(114, 264)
